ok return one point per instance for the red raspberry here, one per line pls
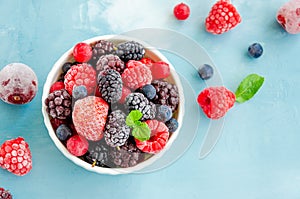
(216, 101)
(81, 74)
(77, 145)
(125, 91)
(222, 17)
(181, 11)
(158, 139)
(133, 63)
(160, 70)
(5, 194)
(82, 52)
(15, 156)
(147, 61)
(57, 86)
(89, 117)
(137, 76)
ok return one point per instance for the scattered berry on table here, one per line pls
(255, 50)
(166, 94)
(102, 47)
(94, 110)
(158, 139)
(181, 11)
(77, 145)
(59, 104)
(99, 154)
(15, 156)
(82, 52)
(149, 91)
(5, 194)
(205, 71)
(222, 17)
(63, 132)
(110, 85)
(125, 92)
(116, 131)
(81, 74)
(18, 84)
(110, 61)
(130, 50)
(57, 86)
(137, 101)
(288, 16)
(147, 61)
(127, 155)
(172, 125)
(79, 92)
(163, 113)
(216, 101)
(160, 70)
(137, 76)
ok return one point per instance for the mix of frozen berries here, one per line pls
(91, 101)
(181, 11)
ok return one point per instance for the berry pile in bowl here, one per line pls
(112, 105)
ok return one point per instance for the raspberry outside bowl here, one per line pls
(54, 75)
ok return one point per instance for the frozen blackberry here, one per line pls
(59, 104)
(116, 131)
(166, 94)
(127, 155)
(5, 194)
(110, 85)
(102, 47)
(137, 101)
(110, 61)
(130, 50)
(98, 154)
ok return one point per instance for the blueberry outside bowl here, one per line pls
(54, 75)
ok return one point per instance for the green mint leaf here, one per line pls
(132, 117)
(141, 132)
(248, 87)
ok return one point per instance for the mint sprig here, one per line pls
(248, 87)
(140, 130)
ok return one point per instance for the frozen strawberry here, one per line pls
(57, 86)
(77, 145)
(89, 117)
(158, 139)
(137, 76)
(222, 17)
(15, 156)
(160, 70)
(147, 61)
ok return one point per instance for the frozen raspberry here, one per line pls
(216, 101)
(5, 194)
(160, 70)
(136, 77)
(133, 63)
(82, 52)
(81, 74)
(125, 92)
(18, 84)
(77, 145)
(15, 156)
(57, 86)
(147, 61)
(158, 139)
(181, 11)
(222, 17)
(89, 117)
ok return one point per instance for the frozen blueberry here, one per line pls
(149, 91)
(63, 132)
(79, 92)
(205, 71)
(255, 50)
(172, 125)
(163, 113)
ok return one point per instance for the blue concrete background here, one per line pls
(257, 155)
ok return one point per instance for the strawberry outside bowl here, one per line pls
(55, 74)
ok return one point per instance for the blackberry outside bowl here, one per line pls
(54, 75)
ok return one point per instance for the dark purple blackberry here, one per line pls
(130, 50)
(137, 101)
(116, 131)
(65, 67)
(166, 94)
(102, 47)
(128, 155)
(98, 154)
(110, 62)
(110, 85)
(59, 104)
(5, 194)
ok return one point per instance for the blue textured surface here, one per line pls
(257, 155)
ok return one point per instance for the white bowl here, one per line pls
(54, 75)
